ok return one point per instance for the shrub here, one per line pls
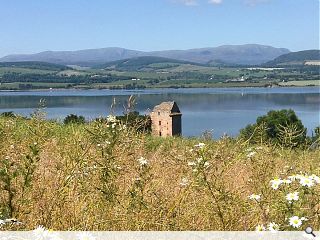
(282, 127)
(75, 119)
(8, 114)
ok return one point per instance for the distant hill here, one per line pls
(35, 65)
(295, 58)
(146, 63)
(248, 54)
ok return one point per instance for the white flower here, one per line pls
(306, 182)
(111, 119)
(275, 183)
(255, 197)
(295, 221)
(251, 154)
(86, 236)
(184, 182)
(292, 197)
(142, 161)
(206, 164)
(304, 219)
(273, 227)
(287, 181)
(260, 228)
(200, 159)
(200, 145)
(40, 233)
(315, 178)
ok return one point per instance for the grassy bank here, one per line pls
(105, 176)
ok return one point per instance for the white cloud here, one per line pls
(215, 1)
(187, 2)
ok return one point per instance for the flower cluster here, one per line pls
(304, 180)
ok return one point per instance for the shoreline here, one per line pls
(153, 88)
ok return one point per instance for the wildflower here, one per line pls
(41, 232)
(142, 161)
(306, 182)
(287, 181)
(255, 197)
(273, 227)
(295, 221)
(292, 197)
(111, 119)
(184, 182)
(304, 219)
(86, 236)
(275, 183)
(315, 178)
(113, 125)
(206, 164)
(251, 154)
(296, 177)
(191, 163)
(200, 159)
(260, 228)
(200, 145)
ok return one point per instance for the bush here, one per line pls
(75, 119)
(281, 127)
(8, 114)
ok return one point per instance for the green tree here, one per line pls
(282, 127)
(75, 119)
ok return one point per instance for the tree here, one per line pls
(75, 119)
(282, 127)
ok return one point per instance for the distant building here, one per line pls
(166, 119)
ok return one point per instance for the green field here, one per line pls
(301, 83)
(151, 75)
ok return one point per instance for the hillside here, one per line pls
(295, 58)
(147, 63)
(34, 65)
(232, 54)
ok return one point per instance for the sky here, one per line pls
(30, 26)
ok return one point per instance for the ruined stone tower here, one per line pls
(166, 119)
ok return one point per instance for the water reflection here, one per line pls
(224, 110)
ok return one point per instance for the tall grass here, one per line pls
(105, 176)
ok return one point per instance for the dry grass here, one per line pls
(88, 177)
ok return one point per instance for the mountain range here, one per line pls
(248, 54)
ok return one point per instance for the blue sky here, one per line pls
(29, 26)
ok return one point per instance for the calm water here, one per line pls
(223, 110)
